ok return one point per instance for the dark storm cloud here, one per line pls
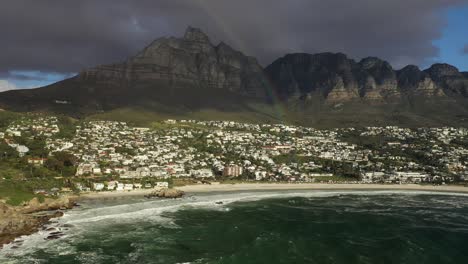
(67, 36)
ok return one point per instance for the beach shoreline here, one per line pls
(219, 188)
(322, 187)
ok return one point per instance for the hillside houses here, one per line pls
(256, 152)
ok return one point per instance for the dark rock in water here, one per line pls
(219, 203)
(53, 237)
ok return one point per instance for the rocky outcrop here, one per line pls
(19, 221)
(14, 223)
(61, 203)
(167, 193)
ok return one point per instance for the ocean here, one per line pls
(257, 227)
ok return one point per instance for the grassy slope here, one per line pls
(349, 115)
(141, 117)
(358, 114)
(14, 193)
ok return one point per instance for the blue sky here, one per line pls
(33, 79)
(454, 38)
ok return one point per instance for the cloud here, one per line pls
(68, 36)
(6, 86)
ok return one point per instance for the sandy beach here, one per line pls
(205, 188)
(317, 186)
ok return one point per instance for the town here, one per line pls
(114, 156)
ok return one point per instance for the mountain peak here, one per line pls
(374, 62)
(196, 34)
(440, 70)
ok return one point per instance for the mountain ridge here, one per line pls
(190, 74)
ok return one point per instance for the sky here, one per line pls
(46, 41)
(453, 44)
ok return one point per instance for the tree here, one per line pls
(66, 158)
(62, 162)
(7, 151)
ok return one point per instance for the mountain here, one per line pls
(333, 90)
(338, 79)
(190, 77)
(179, 74)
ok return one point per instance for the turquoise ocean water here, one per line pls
(258, 227)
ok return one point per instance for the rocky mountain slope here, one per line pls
(338, 79)
(184, 75)
(329, 89)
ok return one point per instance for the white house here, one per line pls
(98, 186)
(111, 185)
(202, 173)
(120, 186)
(162, 184)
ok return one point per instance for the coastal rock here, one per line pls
(13, 224)
(61, 203)
(19, 221)
(167, 193)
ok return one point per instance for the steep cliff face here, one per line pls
(450, 79)
(327, 75)
(413, 81)
(334, 77)
(378, 80)
(192, 61)
(337, 79)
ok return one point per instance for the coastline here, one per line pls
(31, 224)
(321, 187)
(206, 188)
